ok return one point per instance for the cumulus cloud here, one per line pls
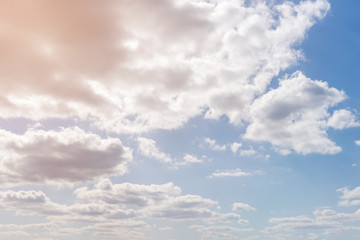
(148, 148)
(235, 146)
(30, 203)
(248, 152)
(157, 201)
(36, 203)
(69, 155)
(242, 206)
(324, 222)
(183, 207)
(95, 217)
(219, 231)
(127, 69)
(127, 193)
(293, 116)
(129, 229)
(211, 143)
(349, 197)
(191, 207)
(188, 159)
(357, 142)
(234, 173)
(22, 230)
(343, 119)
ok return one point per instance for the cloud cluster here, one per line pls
(324, 222)
(327, 221)
(127, 193)
(179, 60)
(293, 116)
(104, 64)
(108, 205)
(349, 197)
(157, 201)
(67, 156)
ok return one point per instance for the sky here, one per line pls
(171, 120)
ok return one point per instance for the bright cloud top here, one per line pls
(177, 61)
(293, 116)
(343, 119)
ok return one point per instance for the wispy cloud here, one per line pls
(235, 173)
(242, 206)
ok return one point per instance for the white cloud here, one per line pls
(129, 229)
(191, 207)
(148, 148)
(36, 203)
(349, 197)
(188, 160)
(357, 142)
(219, 231)
(235, 146)
(128, 194)
(343, 119)
(183, 207)
(157, 201)
(171, 61)
(324, 222)
(191, 159)
(242, 206)
(248, 152)
(235, 173)
(293, 116)
(8, 231)
(66, 156)
(211, 143)
(30, 203)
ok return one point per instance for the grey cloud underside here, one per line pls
(60, 157)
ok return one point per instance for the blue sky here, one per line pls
(171, 119)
